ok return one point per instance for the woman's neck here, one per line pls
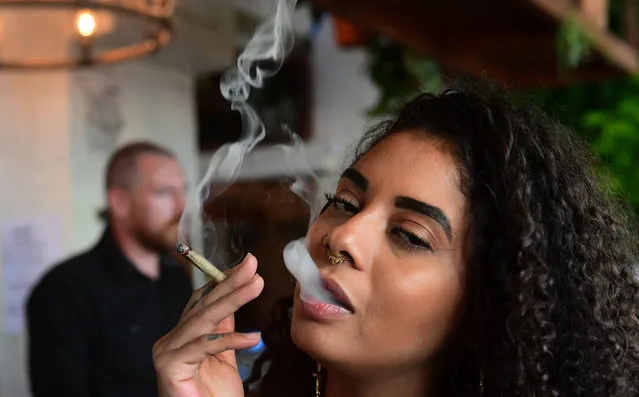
(407, 383)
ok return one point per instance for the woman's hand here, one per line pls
(197, 358)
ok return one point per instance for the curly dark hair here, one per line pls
(553, 295)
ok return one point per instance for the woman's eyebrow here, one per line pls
(431, 211)
(356, 177)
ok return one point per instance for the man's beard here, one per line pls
(158, 242)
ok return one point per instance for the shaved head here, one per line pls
(122, 169)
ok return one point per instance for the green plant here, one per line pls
(617, 143)
(400, 74)
(606, 115)
(573, 44)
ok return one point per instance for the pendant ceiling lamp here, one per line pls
(64, 34)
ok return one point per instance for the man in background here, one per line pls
(94, 318)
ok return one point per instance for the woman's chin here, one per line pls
(321, 330)
(313, 336)
(331, 344)
(316, 346)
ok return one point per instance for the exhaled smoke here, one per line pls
(262, 58)
(300, 264)
(296, 256)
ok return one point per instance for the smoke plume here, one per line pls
(261, 59)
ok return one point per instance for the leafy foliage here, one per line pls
(606, 114)
(399, 74)
(573, 45)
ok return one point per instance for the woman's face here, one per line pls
(400, 216)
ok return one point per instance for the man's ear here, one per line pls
(119, 203)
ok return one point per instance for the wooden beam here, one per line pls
(547, 79)
(596, 11)
(489, 43)
(616, 51)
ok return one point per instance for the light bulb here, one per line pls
(85, 23)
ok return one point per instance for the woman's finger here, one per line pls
(207, 345)
(207, 319)
(197, 295)
(238, 276)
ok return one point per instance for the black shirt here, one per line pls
(93, 320)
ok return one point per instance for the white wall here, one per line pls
(34, 161)
(342, 90)
(34, 178)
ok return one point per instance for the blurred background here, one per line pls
(353, 61)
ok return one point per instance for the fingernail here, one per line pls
(253, 335)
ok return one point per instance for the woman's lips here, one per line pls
(338, 293)
(323, 311)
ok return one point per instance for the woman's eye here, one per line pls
(339, 204)
(409, 240)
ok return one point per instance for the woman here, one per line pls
(473, 253)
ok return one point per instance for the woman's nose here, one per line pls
(336, 257)
(346, 244)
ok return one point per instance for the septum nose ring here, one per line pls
(335, 259)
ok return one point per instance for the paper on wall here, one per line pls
(29, 248)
